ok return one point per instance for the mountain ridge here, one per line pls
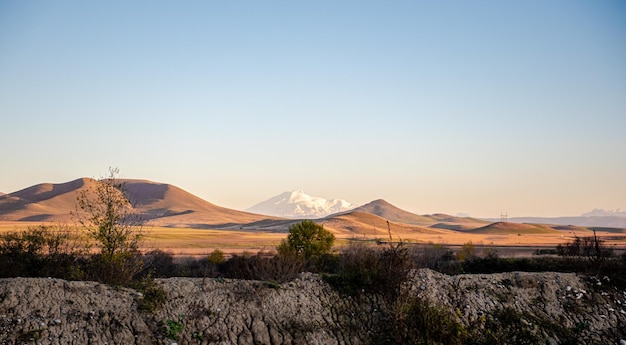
(587, 221)
(158, 203)
(165, 205)
(600, 212)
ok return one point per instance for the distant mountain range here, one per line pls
(598, 212)
(602, 221)
(595, 218)
(299, 205)
(166, 205)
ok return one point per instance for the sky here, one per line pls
(473, 107)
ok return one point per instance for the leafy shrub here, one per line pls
(153, 295)
(159, 264)
(216, 257)
(365, 268)
(415, 321)
(308, 240)
(118, 269)
(467, 252)
(173, 329)
(40, 251)
(436, 257)
(276, 268)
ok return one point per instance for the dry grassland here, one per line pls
(188, 241)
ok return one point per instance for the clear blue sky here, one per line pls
(476, 107)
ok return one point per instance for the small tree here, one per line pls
(216, 257)
(107, 214)
(467, 252)
(307, 240)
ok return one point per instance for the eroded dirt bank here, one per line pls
(304, 311)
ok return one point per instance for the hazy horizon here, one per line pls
(437, 107)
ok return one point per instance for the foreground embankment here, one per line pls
(552, 308)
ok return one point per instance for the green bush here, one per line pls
(467, 251)
(153, 295)
(277, 268)
(216, 257)
(173, 329)
(308, 240)
(120, 269)
(415, 321)
(364, 268)
(159, 264)
(41, 251)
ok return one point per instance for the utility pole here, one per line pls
(504, 217)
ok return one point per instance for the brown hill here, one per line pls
(168, 205)
(446, 218)
(514, 228)
(570, 228)
(383, 209)
(371, 225)
(456, 226)
(392, 213)
(160, 204)
(43, 202)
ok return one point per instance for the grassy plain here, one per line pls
(189, 241)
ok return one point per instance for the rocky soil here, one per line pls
(304, 311)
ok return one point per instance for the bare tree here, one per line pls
(106, 213)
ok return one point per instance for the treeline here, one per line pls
(58, 251)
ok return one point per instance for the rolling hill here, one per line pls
(608, 221)
(514, 228)
(43, 202)
(165, 205)
(392, 213)
(158, 203)
(371, 225)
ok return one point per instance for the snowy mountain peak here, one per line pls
(598, 212)
(298, 204)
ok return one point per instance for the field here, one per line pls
(196, 242)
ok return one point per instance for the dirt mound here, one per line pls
(215, 311)
(304, 311)
(552, 305)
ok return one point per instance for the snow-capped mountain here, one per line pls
(297, 204)
(598, 212)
